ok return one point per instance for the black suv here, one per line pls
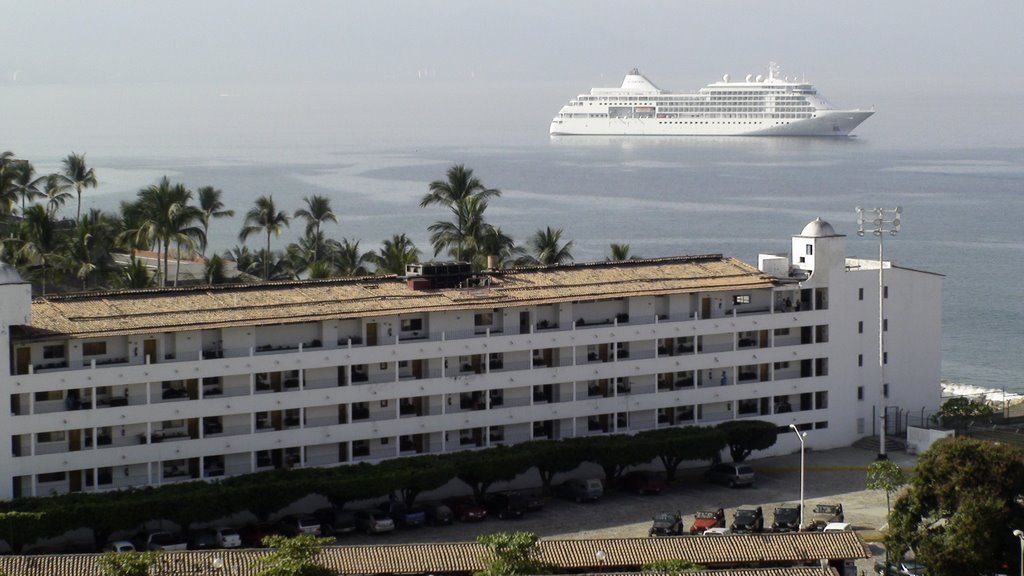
(505, 505)
(787, 519)
(666, 524)
(747, 519)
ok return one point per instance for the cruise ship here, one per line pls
(755, 106)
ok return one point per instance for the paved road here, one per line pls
(831, 476)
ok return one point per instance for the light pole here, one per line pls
(1020, 536)
(801, 435)
(877, 226)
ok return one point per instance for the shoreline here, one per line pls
(989, 395)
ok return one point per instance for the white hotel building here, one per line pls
(133, 388)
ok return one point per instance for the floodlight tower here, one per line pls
(885, 221)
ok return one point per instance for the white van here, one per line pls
(838, 527)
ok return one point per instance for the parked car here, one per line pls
(402, 515)
(374, 521)
(253, 534)
(747, 519)
(335, 521)
(438, 513)
(730, 474)
(294, 525)
(202, 539)
(119, 546)
(838, 527)
(666, 524)
(165, 541)
(705, 519)
(786, 518)
(580, 490)
(901, 568)
(534, 502)
(466, 508)
(718, 531)
(642, 482)
(505, 505)
(227, 537)
(822, 514)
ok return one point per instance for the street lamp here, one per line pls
(801, 435)
(877, 226)
(1020, 536)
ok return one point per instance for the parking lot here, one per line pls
(831, 476)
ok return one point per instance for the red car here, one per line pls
(642, 482)
(466, 508)
(707, 519)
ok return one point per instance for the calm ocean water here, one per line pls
(962, 198)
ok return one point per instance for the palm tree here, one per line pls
(620, 252)
(264, 217)
(395, 254)
(24, 184)
(90, 246)
(56, 193)
(212, 207)
(163, 214)
(77, 174)
(494, 242)
(182, 228)
(453, 194)
(214, 272)
(8, 176)
(40, 241)
(244, 259)
(135, 275)
(548, 249)
(316, 213)
(349, 260)
(462, 237)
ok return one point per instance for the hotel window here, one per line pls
(885, 325)
(885, 358)
(885, 292)
(94, 348)
(741, 299)
(51, 395)
(860, 293)
(52, 477)
(53, 351)
(411, 324)
(860, 392)
(860, 327)
(860, 360)
(43, 437)
(809, 250)
(483, 319)
(885, 390)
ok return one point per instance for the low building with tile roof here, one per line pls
(795, 554)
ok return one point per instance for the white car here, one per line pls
(119, 546)
(717, 531)
(228, 537)
(838, 527)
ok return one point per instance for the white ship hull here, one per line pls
(827, 123)
(761, 106)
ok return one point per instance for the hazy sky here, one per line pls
(675, 42)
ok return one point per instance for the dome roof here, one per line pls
(818, 228)
(9, 274)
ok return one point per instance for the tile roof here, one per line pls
(99, 314)
(466, 557)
